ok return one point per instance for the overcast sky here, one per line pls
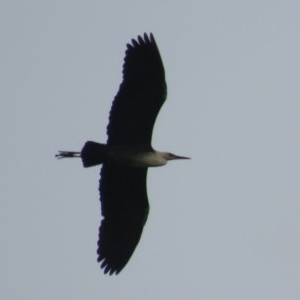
(222, 226)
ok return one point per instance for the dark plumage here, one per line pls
(122, 189)
(140, 97)
(125, 209)
(128, 154)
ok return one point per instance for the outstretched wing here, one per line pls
(140, 96)
(125, 209)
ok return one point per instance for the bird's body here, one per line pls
(128, 154)
(137, 159)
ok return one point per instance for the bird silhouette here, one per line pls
(128, 153)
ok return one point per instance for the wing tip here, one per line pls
(141, 40)
(107, 268)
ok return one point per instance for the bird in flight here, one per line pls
(128, 153)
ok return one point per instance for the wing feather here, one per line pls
(125, 208)
(140, 96)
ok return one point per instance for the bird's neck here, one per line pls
(152, 159)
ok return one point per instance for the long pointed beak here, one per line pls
(181, 157)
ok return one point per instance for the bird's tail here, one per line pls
(92, 154)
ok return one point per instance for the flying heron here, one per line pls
(128, 153)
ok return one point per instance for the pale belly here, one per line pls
(139, 160)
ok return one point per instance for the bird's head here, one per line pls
(171, 156)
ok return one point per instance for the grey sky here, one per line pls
(224, 225)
